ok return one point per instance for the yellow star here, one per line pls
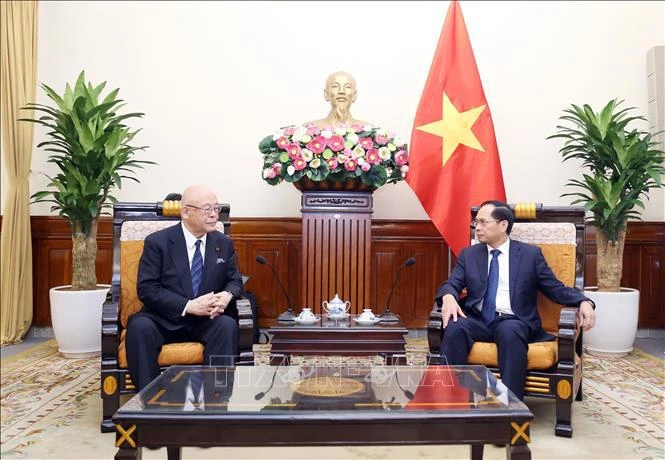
(455, 128)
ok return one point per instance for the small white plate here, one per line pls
(307, 321)
(368, 322)
(338, 317)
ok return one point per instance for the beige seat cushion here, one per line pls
(171, 354)
(541, 355)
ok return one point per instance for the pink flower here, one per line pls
(351, 165)
(332, 163)
(282, 143)
(401, 158)
(289, 130)
(313, 130)
(277, 167)
(366, 143)
(373, 156)
(365, 166)
(293, 150)
(381, 140)
(336, 143)
(299, 164)
(357, 127)
(317, 145)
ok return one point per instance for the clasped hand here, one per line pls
(210, 304)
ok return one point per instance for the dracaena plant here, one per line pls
(89, 143)
(621, 166)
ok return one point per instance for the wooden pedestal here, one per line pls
(336, 243)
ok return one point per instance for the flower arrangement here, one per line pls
(340, 155)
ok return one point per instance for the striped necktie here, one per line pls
(197, 268)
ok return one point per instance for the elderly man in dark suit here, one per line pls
(502, 278)
(187, 280)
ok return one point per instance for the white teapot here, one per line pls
(367, 315)
(306, 315)
(336, 306)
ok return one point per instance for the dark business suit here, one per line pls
(164, 286)
(528, 273)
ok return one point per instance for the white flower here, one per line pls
(389, 171)
(381, 132)
(307, 154)
(315, 163)
(358, 151)
(299, 133)
(290, 170)
(341, 130)
(391, 147)
(306, 138)
(361, 160)
(404, 169)
(266, 172)
(353, 138)
(384, 153)
(367, 128)
(398, 141)
(341, 158)
(326, 133)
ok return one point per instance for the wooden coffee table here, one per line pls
(305, 405)
(345, 338)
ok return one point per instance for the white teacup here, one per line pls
(306, 315)
(367, 315)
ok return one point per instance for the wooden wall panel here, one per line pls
(279, 241)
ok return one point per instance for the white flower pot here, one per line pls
(616, 322)
(77, 320)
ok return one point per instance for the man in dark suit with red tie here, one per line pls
(502, 278)
(187, 280)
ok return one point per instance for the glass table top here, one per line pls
(311, 388)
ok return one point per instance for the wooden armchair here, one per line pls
(132, 222)
(554, 368)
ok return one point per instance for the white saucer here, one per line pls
(307, 321)
(337, 317)
(368, 322)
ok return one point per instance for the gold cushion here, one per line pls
(172, 353)
(541, 355)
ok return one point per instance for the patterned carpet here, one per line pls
(51, 410)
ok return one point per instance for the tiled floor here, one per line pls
(654, 346)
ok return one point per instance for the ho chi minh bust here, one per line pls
(341, 92)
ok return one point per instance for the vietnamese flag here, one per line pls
(454, 161)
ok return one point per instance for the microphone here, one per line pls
(388, 316)
(261, 394)
(407, 393)
(288, 315)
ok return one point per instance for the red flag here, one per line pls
(454, 161)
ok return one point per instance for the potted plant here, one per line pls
(89, 143)
(623, 164)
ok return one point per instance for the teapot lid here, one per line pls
(336, 299)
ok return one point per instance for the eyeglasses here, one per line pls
(481, 223)
(207, 210)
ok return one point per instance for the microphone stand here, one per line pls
(288, 315)
(388, 316)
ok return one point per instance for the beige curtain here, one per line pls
(18, 63)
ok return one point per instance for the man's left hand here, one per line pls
(586, 315)
(220, 302)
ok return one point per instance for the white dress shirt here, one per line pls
(503, 291)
